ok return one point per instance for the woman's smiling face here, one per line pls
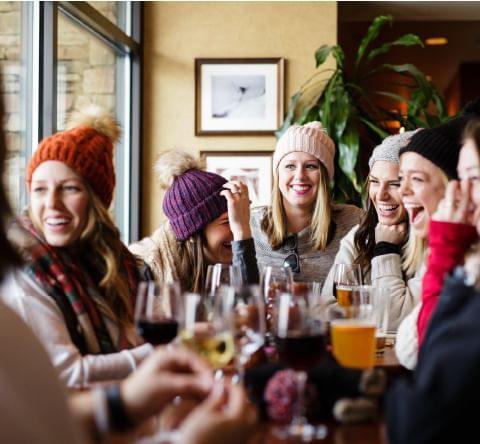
(422, 186)
(298, 179)
(384, 192)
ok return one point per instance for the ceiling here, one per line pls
(410, 11)
(458, 21)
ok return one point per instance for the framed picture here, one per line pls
(238, 96)
(252, 167)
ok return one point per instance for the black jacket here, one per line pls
(441, 401)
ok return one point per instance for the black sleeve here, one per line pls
(382, 248)
(245, 257)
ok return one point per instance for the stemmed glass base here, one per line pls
(300, 429)
(301, 432)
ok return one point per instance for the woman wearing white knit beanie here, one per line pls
(302, 228)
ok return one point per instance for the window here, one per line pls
(69, 54)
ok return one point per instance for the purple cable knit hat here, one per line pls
(192, 199)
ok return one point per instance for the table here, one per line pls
(363, 433)
(366, 433)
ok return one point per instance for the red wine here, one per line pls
(300, 352)
(158, 332)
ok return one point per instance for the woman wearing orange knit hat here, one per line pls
(78, 287)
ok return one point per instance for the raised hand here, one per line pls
(395, 234)
(225, 417)
(456, 206)
(236, 193)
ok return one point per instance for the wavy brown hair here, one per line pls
(9, 257)
(364, 239)
(102, 236)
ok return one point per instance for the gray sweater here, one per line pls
(314, 264)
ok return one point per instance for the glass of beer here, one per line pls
(354, 334)
(345, 277)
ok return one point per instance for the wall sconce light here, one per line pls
(436, 41)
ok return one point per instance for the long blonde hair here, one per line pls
(275, 221)
(414, 253)
(103, 237)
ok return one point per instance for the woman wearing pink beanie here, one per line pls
(302, 228)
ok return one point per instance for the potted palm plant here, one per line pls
(349, 105)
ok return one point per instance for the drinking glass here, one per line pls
(219, 275)
(299, 340)
(345, 276)
(206, 333)
(274, 281)
(353, 331)
(247, 313)
(156, 311)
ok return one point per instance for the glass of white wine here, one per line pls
(208, 334)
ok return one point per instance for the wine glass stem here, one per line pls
(299, 407)
(242, 362)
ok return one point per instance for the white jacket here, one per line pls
(41, 313)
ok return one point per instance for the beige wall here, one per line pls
(178, 32)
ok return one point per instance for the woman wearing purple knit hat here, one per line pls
(302, 228)
(208, 222)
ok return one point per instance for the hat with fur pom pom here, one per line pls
(192, 199)
(86, 146)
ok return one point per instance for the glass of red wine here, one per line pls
(156, 311)
(300, 346)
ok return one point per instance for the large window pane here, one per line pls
(109, 9)
(12, 89)
(85, 71)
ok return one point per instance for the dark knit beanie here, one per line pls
(192, 199)
(441, 144)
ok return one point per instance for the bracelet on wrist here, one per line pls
(119, 419)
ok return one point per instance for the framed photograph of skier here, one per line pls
(239, 96)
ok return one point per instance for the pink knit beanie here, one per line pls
(310, 138)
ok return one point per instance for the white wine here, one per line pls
(217, 349)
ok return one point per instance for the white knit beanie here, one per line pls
(310, 138)
(390, 146)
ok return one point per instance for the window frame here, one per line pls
(42, 87)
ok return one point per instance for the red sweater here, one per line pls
(448, 242)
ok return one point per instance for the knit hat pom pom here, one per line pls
(172, 164)
(93, 116)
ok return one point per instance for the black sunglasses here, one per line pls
(292, 260)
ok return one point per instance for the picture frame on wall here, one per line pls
(254, 168)
(239, 96)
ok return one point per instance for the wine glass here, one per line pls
(219, 275)
(206, 333)
(274, 281)
(156, 311)
(247, 313)
(345, 276)
(299, 340)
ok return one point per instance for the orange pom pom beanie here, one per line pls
(86, 146)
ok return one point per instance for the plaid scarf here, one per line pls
(75, 290)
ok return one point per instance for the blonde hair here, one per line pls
(275, 221)
(102, 236)
(414, 253)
